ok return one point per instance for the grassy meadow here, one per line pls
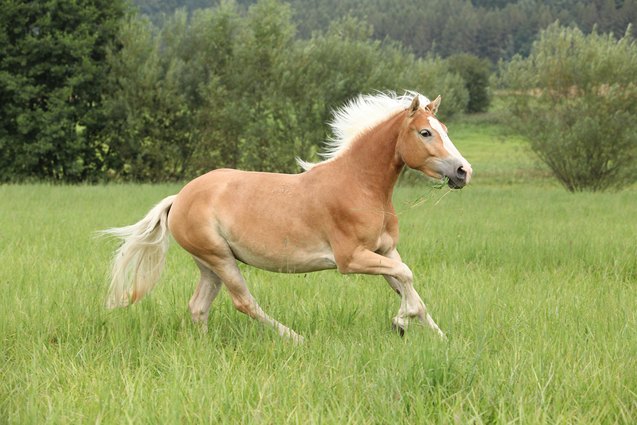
(535, 287)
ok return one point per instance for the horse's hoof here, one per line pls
(398, 328)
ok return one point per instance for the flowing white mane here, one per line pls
(358, 115)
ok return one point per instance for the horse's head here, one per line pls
(423, 144)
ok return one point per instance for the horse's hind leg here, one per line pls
(243, 300)
(207, 289)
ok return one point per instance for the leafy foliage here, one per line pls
(575, 97)
(52, 70)
(227, 89)
(476, 73)
(89, 95)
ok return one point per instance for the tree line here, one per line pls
(492, 29)
(95, 92)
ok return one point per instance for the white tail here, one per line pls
(139, 261)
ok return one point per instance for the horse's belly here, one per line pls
(284, 259)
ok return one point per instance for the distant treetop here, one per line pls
(491, 29)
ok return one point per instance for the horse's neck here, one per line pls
(372, 162)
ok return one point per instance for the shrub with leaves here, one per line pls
(476, 73)
(575, 98)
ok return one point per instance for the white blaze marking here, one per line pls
(446, 141)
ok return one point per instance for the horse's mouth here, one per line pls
(460, 176)
(456, 183)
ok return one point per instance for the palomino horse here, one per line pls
(338, 213)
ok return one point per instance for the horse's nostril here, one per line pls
(461, 173)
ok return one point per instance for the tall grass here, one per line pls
(535, 287)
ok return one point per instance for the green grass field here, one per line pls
(535, 287)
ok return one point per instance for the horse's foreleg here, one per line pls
(413, 299)
(400, 278)
(245, 302)
(207, 289)
(395, 284)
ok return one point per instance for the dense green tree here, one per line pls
(575, 98)
(476, 73)
(149, 129)
(52, 69)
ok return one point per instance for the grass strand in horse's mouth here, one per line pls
(434, 185)
(441, 183)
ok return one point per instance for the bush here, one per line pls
(575, 98)
(475, 72)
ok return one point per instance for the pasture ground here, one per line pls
(535, 287)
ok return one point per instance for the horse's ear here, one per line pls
(433, 106)
(415, 104)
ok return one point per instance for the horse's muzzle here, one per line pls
(460, 176)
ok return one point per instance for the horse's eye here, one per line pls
(425, 133)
